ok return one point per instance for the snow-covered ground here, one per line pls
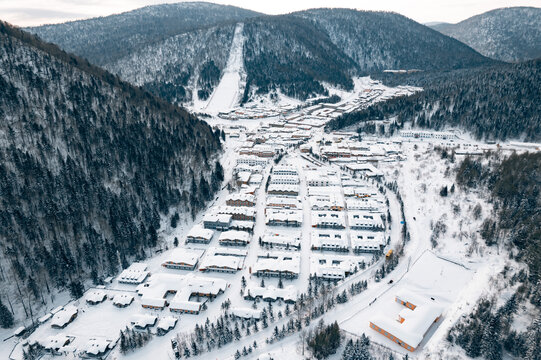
(455, 269)
(228, 92)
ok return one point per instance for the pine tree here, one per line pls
(6, 318)
(491, 346)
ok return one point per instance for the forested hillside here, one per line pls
(498, 102)
(378, 40)
(87, 164)
(178, 50)
(174, 68)
(509, 34)
(105, 40)
(291, 54)
(515, 190)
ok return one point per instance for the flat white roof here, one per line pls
(416, 322)
(185, 256)
(198, 231)
(283, 262)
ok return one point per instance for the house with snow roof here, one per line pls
(412, 322)
(198, 234)
(182, 259)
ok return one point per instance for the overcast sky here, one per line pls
(37, 12)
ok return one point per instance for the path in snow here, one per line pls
(227, 93)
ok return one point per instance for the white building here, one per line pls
(277, 189)
(284, 179)
(273, 239)
(367, 241)
(252, 160)
(283, 217)
(198, 234)
(182, 259)
(136, 273)
(234, 238)
(285, 265)
(283, 202)
(322, 178)
(285, 170)
(363, 220)
(219, 222)
(270, 293)
(331, 267)
(328, 219)
(415, 315)
(331, 240)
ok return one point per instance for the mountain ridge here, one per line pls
(509, 34)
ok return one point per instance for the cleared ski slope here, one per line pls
(227, 93)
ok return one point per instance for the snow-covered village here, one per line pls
(327, 226)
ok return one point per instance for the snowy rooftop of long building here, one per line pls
(289, 292)
(198, 231)
(234, 235)
(135, 273)
(183, 256)
(278, 262)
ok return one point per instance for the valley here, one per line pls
(201, 181)
(264, 243)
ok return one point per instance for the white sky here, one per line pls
(37, 12)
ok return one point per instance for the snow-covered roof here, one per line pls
(55, 342)
(167, 322)
(153, 301)
(136, 273)
(186, 305)
(278, 262)
(217, 218)
(45, 317)
(213, 261)
(241, 197)
(234, 235)
(19, 331)
(63, 317)
(327, 217)
(329, 238)
(183, 285)
(282, 239)
(289, 292)
(283, 215)
(122, 299)
(198, 231)
(143, 320)
(416, 322)
(96, 296)
(334, 267)
(96, 346)
(284, 201)
(280, 188)
(237, 210)
(246, 313)
(185, 256)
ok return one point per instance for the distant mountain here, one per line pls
(509, 34)
(496, 102)
(104, 40)
(87, 165)
(384, 40)
(297, 54)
